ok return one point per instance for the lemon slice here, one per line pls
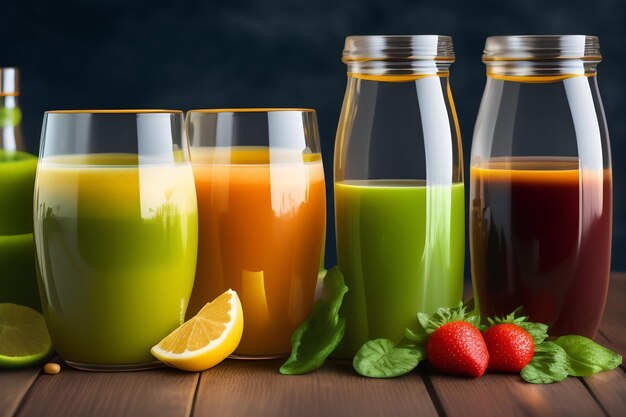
(207, 338)
(24, 338)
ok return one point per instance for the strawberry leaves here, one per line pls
(538, 331)
(552, 361)
(548, 365)
(430, 323)
(382, 358)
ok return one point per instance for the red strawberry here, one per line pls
(458, 347)
(510, 347)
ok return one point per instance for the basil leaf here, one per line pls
(321, 332)
(586, 357)
(549, 364)
(538, 331)
(381, 358)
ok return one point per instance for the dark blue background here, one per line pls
(263, 53)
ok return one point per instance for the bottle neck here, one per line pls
(9, 102)
(10, 123)
(402, 70)
(549, 70)
(386, 78)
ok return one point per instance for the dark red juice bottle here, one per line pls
(541, 189)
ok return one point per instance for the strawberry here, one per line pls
(458, 347)
(510, 347)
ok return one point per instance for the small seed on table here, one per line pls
(52, 368)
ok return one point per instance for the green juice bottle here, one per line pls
(399, 194)
(18, 282)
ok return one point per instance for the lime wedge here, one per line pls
(24, 339)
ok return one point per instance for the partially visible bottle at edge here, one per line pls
(18, 282)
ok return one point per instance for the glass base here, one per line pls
(258, 357)
(116, 368)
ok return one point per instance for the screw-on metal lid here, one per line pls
(9, 81)
(542, 47)
(397, 54)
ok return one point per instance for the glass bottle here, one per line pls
(18, 282)
(399, 200)
(540, 215)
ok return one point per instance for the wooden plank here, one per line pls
(161, 392)
(14, 385)
(609, 388)
(614, 320)
(241, 388)
(509, 395)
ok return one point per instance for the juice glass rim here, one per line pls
(115, 111)
(254, 110)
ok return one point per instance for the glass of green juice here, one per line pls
(399, 195)
(116, 233)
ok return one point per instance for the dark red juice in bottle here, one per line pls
(541, 239)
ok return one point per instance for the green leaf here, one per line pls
(321, 332)
(549, 364)
(509, 318)
(444, 315)
(586, 357)
(415, 335)
(538, 331)
(381, 358)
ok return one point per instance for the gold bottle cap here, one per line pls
(9, 81)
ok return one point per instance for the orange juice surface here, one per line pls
(262, 219)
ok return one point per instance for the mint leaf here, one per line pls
(381, 358)
(321, 332)
(444, 315)
(549, 364)
(586, 357)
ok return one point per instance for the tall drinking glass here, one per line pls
(262, 216)
(399, 199)
(540, 215)
(116, 232)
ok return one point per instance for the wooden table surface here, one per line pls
(255, 388)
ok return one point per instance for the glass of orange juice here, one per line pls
(262, 218)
